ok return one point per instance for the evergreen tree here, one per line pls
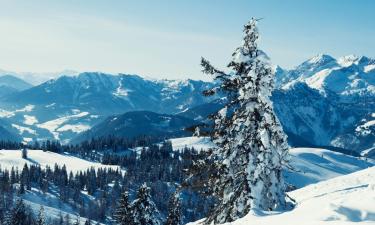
(251, 145)
(24, 153)
(41, 219)
(174, 208)
(144, 209)
(124, 214)
(18, 214)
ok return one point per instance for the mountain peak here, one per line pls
(321, 59)
(349, 60)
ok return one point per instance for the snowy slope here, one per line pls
(312, 165)
(53, 207)
(199, 143)
(347, 76)
(13, 158)
(348, 199)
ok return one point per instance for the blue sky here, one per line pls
(165, 39)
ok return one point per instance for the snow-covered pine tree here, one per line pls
(41, 219)
(174, 210)
(124, 212)
(251, 145)
(144, 209)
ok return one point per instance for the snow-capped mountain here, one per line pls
(322, 102)
(61, 108)
(349, 76)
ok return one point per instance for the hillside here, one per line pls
(342, 200)
(138, 123)
(310, 165)
(13, 158)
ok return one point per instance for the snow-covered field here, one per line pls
(333, 188)
(348, 199)
(52, 205)
(13, 158)
(199, 143)
(313, 165)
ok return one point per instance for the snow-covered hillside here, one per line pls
(333, 188)
(311, 165)
(13, 158)
(199, 143)
(52, 205)
(342, 200)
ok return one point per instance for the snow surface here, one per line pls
(313, 165)
(53, 126)
(53, 207)
(348, 199)
(8, 114)
(333, 188)
(13, 158)
(30, 120)
(199, 143)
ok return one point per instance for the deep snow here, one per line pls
(333, 188)
(13, 158)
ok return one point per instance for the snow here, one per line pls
(365, 129)
(199, 143)
(348, 60)
(347, 199)
(52, 205)
(334, 188)
(76, 128)
(13, 158)
(315, 165)
(50, 105)
(54, 125)
(369, 68)
(23, 129)
(8, 114)
(120, 91)
(317, 81)
(30, 120)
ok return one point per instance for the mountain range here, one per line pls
(322, 102)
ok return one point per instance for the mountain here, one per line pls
(14, 82)
(64, 107)
(90, 91)
(38, 78)
(7, 132)
(322, 102)
(10, 84)
(350, 76)
(138, 123)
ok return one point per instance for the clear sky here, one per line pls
(166, 38)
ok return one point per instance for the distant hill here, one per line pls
(138, 123)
